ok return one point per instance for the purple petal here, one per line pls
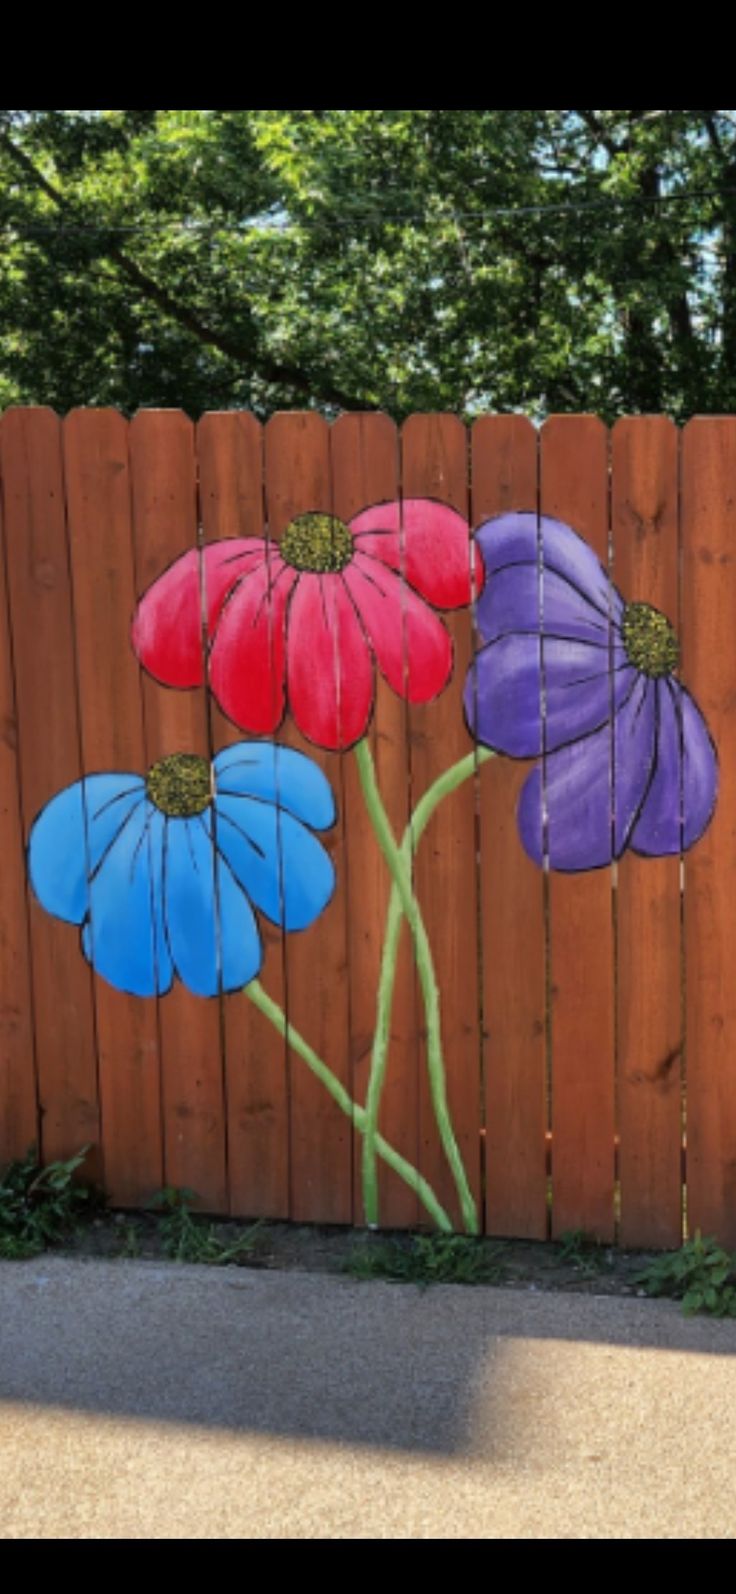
(514, 599)
(503, 692)
(582, 807)
(682, 794)
(513, 539)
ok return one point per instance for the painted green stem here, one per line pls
(445, 783)
(400, 866)
(357, 1114)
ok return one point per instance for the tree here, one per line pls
(463, 260)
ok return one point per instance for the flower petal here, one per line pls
(589, 820)
(167, 624)
(122, 936)
(682, 794)
(277, 775)
(248, 652)
(503, 692)
(71, 834)
(278, 862)
(210, 926)
(411, 643)
(518, 598)
(428, 541)
(514, 539)
(329, 667)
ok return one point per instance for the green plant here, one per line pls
(186, 1238)
(428, 1259)
(581, 1251)
(701, 1275)
(41, 1206)
(129, 1240)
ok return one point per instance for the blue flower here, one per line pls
(163, 872)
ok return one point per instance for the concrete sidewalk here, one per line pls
(139, 1400)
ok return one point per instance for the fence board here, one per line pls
(709, 671)
(434, 465)
(644, 515)
(365, 466)
(164, 525)
(298, 479)
(574, 488)
(98, 512)
(504, 477)
(41, 621)
(19, 1127)
(230, 455)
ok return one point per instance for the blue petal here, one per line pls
(277, 775)
(282, 867)
(122, 936)
(71, 835)
(190, 904)
(210, 924)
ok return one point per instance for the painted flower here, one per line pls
(163, 872)
(304, 622)
(629, 761)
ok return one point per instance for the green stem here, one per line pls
(441, 787)
(399, 864)
(357, 1114)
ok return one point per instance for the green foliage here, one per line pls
(461, 259)
(701, 1275)
(581, 1251)
(41, 1206)
(185, 1238)
(428, 1259)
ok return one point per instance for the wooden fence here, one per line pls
(588, 1020)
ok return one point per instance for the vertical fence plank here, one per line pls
(101, 549)
(163, 476)
(18, 1081)
(504, 477)
(365, 466)
(574, 488)
(42, 628)
(230, 455)
(298, 479)
(708, 509)
(644, 515)
(434, 465)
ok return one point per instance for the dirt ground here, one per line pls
(574, 1264)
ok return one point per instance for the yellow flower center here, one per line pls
(180, 785)
(317, 542)
(650, 641)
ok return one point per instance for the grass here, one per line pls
(186, 1238)
(427, 1259)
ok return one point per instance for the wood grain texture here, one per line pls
(709, 672)
(298, 479)
(365, 470)
(19, 1125)
(644, 519)
(434, 464)
(164, 495)
(504, 477)
(103, 581)
(574, 488)
(43, 644)
(230, 459)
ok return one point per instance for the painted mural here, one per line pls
(169, 872)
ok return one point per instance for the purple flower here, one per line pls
(571, 669)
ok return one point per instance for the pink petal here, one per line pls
(247, 659)
(412, 646)
(167, 625)
(330, 670)
(430, 541)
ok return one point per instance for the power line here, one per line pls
(375, 212)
